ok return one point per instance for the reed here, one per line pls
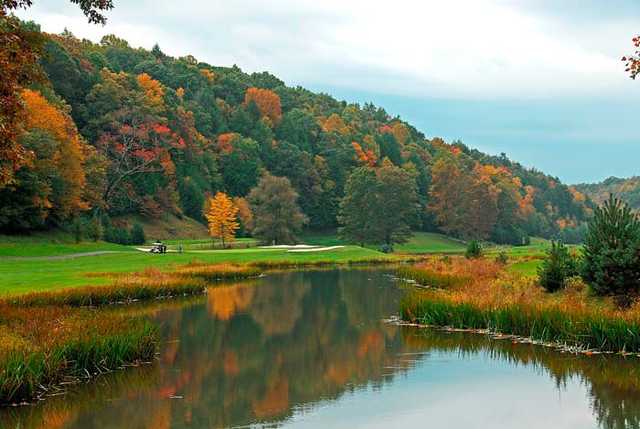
(41, 347)
(512, 304)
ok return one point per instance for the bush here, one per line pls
(557, 267)
(474, 250)
(386, 248)
(502, 258)
(137, 234)
(612, 250)
(118, 235)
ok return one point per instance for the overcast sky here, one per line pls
(540, 80)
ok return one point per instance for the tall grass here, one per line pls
(40, 347)
(507, 303)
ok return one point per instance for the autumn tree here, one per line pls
(244, 214)
(50, 188)
(632, 62)
(222, 216)
(277, 217)
(20, 48)
(447, 195)
(93, 9)
(267, 101)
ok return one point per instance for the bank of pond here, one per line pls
(226, 345)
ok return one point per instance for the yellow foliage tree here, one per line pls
(222, 216)
(153, 90)
(335, 124)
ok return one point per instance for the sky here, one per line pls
(540, 80)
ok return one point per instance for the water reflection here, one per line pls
(282, 349)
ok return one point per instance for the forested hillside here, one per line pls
(113, 130)
(625, 189)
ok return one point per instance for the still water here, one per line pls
(310, 349)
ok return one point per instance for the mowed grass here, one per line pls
(419, 243)
(428, 242)
(23, 276)
(526, 268)
(52, 245)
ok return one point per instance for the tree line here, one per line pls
(105, 130)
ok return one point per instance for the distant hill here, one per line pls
(122, 132)
(626, 189)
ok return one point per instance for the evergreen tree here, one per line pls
(612, 250)
(474, 250)
(557, 267)
(137, 234)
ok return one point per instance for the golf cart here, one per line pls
(158, 247)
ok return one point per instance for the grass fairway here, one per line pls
(29, 275)
(421, 242)
(49, 244)
(527, 268)
(428, 242)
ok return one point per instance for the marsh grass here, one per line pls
(41, 347)
(508, 303)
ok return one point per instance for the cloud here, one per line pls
(461, 49)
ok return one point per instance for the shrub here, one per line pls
(502, 258)
(118, 235)
(612, 250)
(474, 250)
(558, 266)
(386, 248)
(137, 234)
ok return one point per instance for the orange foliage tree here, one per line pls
(244, 213)
(632, 62)
(68, 157)
(335, 124)
(222, 216)
(366, 157)
(268, 103)
(20, 48)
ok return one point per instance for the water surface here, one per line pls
(310, 349)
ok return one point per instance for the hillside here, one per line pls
(117, 131)
(626, 189)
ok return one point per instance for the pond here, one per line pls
(311, 349)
